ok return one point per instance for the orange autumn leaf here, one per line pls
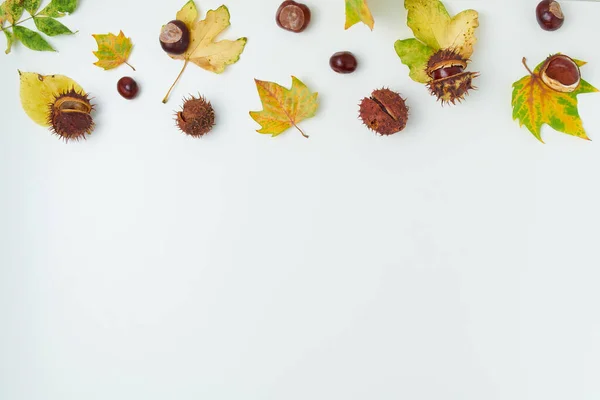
(112, 50)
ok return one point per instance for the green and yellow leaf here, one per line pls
(112, 50)
(415, 55)
(9, 40)
(59, 8)
(284, 108)
(31, 6)
(51, 27)
(31, 39)
(358, 11)
(431, 24)
(535, 104)
(39, 91)
(13, 10)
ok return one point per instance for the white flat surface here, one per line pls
(458, 260)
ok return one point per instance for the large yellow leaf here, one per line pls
(284, 108)
(535, 104)
(112, 50)
(358, 11)
(431, 24)
(203, 50)
(39, 91)
(188, 14)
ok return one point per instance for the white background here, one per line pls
(456, 260)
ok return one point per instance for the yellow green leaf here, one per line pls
(415, 55)
(203, 50)
(13, 9)
(188, 14)
(39, 91)
(358, 11)
(431, 24)
(112, 50)
(535, 104)
(284, 108)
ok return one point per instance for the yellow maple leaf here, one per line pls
(39, 91)
(112, 50)
(358, 11)
(535, 104)
(203, 50)
(284, 108)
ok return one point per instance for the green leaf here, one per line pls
(58, 8)
(31, 39)
(51, 27)
(9, 40)
(13, 10)
(415, 55)
(32, 5)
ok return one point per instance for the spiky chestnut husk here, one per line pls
(385, 112)
(449, 80)
(197, 116)
(69, 115)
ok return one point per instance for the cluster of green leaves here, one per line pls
(11, 13)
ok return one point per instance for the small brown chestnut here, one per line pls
(343, 62)
(549, 15)
(127, 87)
(175, 37)
(293, 16)
(561, 73)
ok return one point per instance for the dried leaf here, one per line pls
(535, 104)
(358, 11)
(39, 91)
(284, 108)
(203, 50)
(112, 50)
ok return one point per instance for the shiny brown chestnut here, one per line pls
(343, 62)
(549, 15)
(561, 73)
(293, 16)
(175, 37)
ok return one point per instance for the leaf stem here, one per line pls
(525, 64)
(301, 131)
(2, 29)
(130, 65)
(176, 80)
